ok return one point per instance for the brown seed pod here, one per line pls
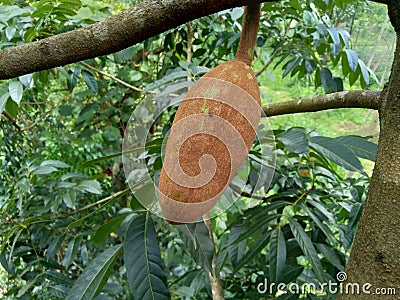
(212, 133)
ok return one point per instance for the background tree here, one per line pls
(61, 141)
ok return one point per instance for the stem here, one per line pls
(215, 280)
(129, 86)
(277, 51)
(91, 205)
(189, 47)
(251, 22)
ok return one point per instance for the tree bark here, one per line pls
(118, 32)
(375, 257)
(346, 99)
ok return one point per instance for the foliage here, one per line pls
(69, 226)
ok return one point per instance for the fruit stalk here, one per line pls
(248, 38)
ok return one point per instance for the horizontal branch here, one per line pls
(118, 32)
(347, 99)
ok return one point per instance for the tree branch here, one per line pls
(347, 99)
(118, 32)
(11, 119)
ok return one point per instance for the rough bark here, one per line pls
(248, 37)
(118, 32)
(347, 99)
(375, 258)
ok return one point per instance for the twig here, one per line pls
(30, 127)
(215, 280)
(277, 50)
(121, 81)
(189, 46)
(129, 86)
(245, 194)
(90, 205)
(11, 119)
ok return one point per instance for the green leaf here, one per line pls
(90, 80)
(103, 232)
(317, 79)
(143, 262)
(65, 110)
(323, 210)
(258, 220)
(293, 64)
(197, 241)
(277, 255)
(27, 286)
(360, 146)
(42, 9)
(43, 170)
(59, 291)
(364, 72)
(90, 186)
(334, 34)
(10, 32)
(326, 79)
(70, 175)
(337, 84)
(16, 89)
(324, 228)
(91, 281)
(236, 13)
(27, 80)
(354, 76)
(73, 76)
(168, 78)
(55, 163)
(345, 35)
(310, 66)
(135, 76)
(331, 255)
(3, 101)
(338, 153)
(6, 264)
(58, 278)
(295, 139)
(222, 254)
(307, 247)
(100, 159)
(292, 272)
(352, 59)
(124, 55)
(84, 13)
(70, 254)
(236, 249)
(111, 134)
(254, 251)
